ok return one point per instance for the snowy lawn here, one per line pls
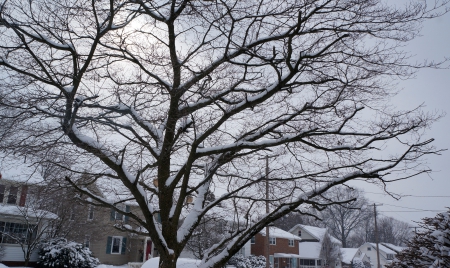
(110, 266)
(181, 263)
(100, 266)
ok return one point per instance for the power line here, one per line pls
(410, 195)
(412, 211)
(418, 209)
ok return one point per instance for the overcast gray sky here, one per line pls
(431, 87)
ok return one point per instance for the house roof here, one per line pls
(316, 232)
(382, 248)
(348, 254)
(278, 233)
(12, 210)
(395, 248)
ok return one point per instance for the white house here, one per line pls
(353, 255)
(387, 253)
(19, 223)
(317, 247)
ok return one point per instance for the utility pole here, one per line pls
(267, 209)
(376, 234)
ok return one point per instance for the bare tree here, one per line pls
(343, 219)
(390, 230)
(331, 251)
(393, 231)
(31, 227)
(158, 101)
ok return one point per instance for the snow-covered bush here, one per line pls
(60, 253)
(360, 264)
(430, 247)
(248, 262)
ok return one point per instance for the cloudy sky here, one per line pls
(424, 195)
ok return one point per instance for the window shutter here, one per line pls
(108, 245)
(127, 209)
(124, 245)
(23, 195)
(113, 214)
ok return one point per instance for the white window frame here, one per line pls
(118, 216)
(390, 256)
(299, 233)
(120, 244)
(369, 248)
(272, 240)
(291, 242)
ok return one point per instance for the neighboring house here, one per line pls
(350, 256)
(387, 253)
(98, 228)
(283, 247)
(317, 247)
(20, 225)
(93, 226)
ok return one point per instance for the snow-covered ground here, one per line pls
(100, 266)
(111, 266)
(181, 263)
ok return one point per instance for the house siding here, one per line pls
(282, 246)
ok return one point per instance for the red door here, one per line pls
(148, 251)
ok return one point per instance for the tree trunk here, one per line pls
(168, 261)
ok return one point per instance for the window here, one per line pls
(12, 196)
(90, 213)
(272, 241)
(116, 245)
(271, 259)
(300, 233)
(291, 242)
(87, 241)
(117, 216)
(390, 256)
(15, 233)
(2, 192)
(253, 240)
(307, 262)
(369, 248)
(319, 262)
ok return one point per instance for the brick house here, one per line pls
(283, 247)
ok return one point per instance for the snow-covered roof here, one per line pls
(383, 248)
(393, 247)
(348, 254)
(310, 250)
(278, 233)
(316, 232)
(16, 170)
(13, 210)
